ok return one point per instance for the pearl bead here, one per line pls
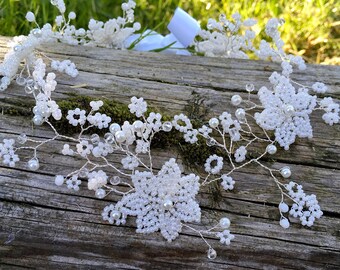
(59, 180)
(271, 149)
(108, 137)
(284, 223)
(17, 48)
(38, 120)
(167, 204)
(115, 180)
(36, 32)
(285, 172)
(283, 207)
(213, 122)
(120, 136)
(224, 223)
(95, 139)
(36, 110)
(167, 126)
(100, 193)
(33, 164)
(212, 254)
(115, 214)
(289, 109)
(240, 114)
(236, 100)
(138, 126)
(114, 128)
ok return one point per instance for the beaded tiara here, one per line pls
(165, 200)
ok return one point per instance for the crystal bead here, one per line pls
(22, 138)
(83, 173)
(250, 87)
(211, 142)
(115, 180)
(95, 139)
(108, 137)
(20, 81)
(212, 254)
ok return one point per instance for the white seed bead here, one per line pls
(225, 223)
(271, 149)
(236, 100)
(213, 122)
(33, 164)
(285, 172)
(284, 223)
(283, 207)
(120, 136)
(100, 193)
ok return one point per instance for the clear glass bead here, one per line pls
(212, 254)
(20, 81)
(22, 138)
(29, 89)
(115, 180)
(211, 142)
(95, 139)
(250, 87)
(29, 82)
(109, 138)
(83, 173)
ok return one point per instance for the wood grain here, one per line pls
(55, 228)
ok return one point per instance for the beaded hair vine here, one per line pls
(165, 200)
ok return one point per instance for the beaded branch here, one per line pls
(165, 200)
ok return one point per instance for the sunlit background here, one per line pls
(312, 27)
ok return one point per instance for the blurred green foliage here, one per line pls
(312, 27)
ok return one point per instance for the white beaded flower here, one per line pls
(227, 182)
(142, 146)
(182, 123)
(240, 154)
(191, 136)
(96, 105)
(154, 121)
(205, 131)
(213, 168)
(138, 106)
(99, 120)
(73, 183)
(7, 153)
(225, 237)
(286, 111)
(76, 117)
(163, 201)
(84, 148)
(130, 163)
(97, 179)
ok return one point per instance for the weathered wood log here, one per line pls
(45, 226)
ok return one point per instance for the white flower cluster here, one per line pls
(224, 38)
(7, 153)
(305, 207)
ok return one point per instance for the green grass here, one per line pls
(312, 27)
